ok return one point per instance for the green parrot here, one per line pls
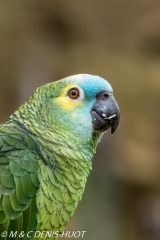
(46, 152)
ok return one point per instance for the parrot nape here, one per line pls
(46, 152)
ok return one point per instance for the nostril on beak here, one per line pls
(106, 95)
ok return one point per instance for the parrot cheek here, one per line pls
(105, 113)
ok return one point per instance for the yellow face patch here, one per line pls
(66, 102)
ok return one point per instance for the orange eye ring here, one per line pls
(73, 93)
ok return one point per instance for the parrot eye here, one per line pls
(73, 93)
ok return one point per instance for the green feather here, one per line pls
(27, 186)
(34, 180)
(16, 169)
(4, 160)
(6, 191)
(21, 198)
(8, 181)
(16, 205)
(3, 217)
(8, 209)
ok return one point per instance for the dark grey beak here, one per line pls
(105, 113)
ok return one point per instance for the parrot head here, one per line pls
(82, 104)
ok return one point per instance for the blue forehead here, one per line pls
(91, 85)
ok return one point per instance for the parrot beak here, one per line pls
(105, 112)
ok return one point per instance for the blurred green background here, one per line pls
(42, 41)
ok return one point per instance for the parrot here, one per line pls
(46, 152)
